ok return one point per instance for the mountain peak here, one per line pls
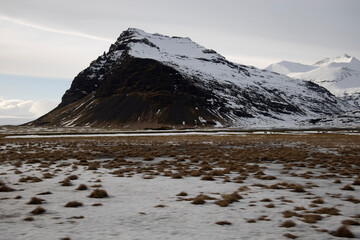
(155, 80)
(344, 58)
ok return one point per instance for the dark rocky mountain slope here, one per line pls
(152, 80)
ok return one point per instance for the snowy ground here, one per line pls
(260, 181)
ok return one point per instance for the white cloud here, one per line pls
(54, 30)
(16, 111)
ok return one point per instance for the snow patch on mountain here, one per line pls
(340, 75)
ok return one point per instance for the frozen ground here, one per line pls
(272, 179)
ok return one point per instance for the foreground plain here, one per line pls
(245, 186)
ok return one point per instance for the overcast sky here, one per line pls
(44, 44)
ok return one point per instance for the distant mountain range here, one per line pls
(340, 75)
(155, 81)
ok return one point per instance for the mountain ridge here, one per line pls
(340, 75)
(152, 80)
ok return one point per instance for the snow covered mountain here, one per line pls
(340, 75)
(152, 80)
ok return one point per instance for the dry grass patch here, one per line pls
(98, 193)
(66, 183)
(72, 177)
(28, 219)
(356, 182)
(82, 187)
(270, 205)
(48, 175)
(208, 178)
(38, 211)
(182, 194)
(200, 199)
(352, 199)
(288, 224)
(31, 179)
(176, 176)
(5, 188)
(45, 193)
(160, 206)
(329, 211)
(73, 204)
(343, 232)
(311, 218)
(243, 189)
(298, 208)
(289, 214)
(291, 236)
(298, 188)
(348, 187)
(222, 223)
(97, 204)
(350, 222)
(35, 200)
(318, 201)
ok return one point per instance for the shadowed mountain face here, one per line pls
(152, 80)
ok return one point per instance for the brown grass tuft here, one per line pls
(48, 175)
(5, 188)
(352, 199)
(72, 177)
(298, 188)
(160, 206)
(289, 214)
(289, 235)
(98, 193)
(182, 194)
(348, 188)
(243, 189)
(356, 182)
(82, 187)
(311, 218)
(350, 222)
(176, 176)
(30, 179)
(343, 231)
(28, 219)
(66, 183)
(200, 199)
(223, 223)
(35, 200)
(38, 210)
(288, 224)
(318, 201)
(270, 205)
(208, 178)
(45, 193)
(73, 204)
(97, 204)
(222, 203)
(329, 211)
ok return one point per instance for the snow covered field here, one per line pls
(256, 186)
